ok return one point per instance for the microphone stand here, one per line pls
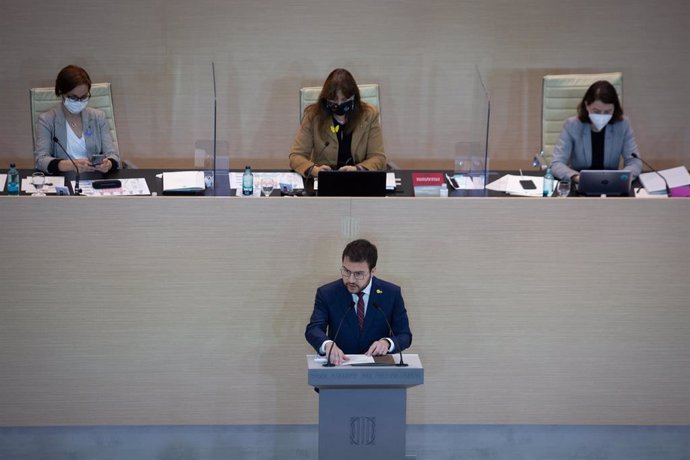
(392, 337)
(328, 362)
(668, 189)
(77, 190)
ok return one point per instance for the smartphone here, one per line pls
(528, 184)
(96, 160)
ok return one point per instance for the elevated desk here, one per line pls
(192, 310)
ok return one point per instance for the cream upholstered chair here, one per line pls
(560, 96)
(43, 99)
(309, 95)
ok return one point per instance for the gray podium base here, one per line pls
(362, 423)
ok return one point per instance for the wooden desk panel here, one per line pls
(192, 310)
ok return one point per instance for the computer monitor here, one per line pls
(352, 183)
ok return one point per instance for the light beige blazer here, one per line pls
(309, 147)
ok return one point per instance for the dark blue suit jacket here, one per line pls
(333, 302)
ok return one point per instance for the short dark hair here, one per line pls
(602, 91)
(361, 251)
(69, 78)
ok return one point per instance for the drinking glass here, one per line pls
(38, 179)
(267, 186)
(564, 188)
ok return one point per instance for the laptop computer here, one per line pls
(605, 182)
(352, 183)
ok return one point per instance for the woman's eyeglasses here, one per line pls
(79, 99)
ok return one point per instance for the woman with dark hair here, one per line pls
(81, 130)
(597, 137)
(339, 131)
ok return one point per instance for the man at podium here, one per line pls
(359, 313)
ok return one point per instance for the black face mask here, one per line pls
(344, 108)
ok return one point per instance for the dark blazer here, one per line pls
(333, 302)
(573, 151)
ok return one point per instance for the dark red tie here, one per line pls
(360, 310)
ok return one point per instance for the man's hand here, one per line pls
(348, 168)
(378, 348)
(337, 355)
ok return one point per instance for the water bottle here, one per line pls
(13, 180)
(443, 191)
(548, 182)
(248, 182)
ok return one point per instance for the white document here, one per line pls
(354, 359)
(467, 182)
(130, 187)
(183, 181)
(643, 193)
(499, 185)
(291, 178)
(3, 179)
(358, 359)
(48, 187)
(514, 185)
(676, 177)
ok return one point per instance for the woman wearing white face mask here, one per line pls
(81, 130)
(597, 137)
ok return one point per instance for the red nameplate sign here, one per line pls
(428, 179)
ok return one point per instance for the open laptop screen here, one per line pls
(605, 182)
(352, 183)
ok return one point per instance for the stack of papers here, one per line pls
(48, 187)
(183, 181)
(130, 187)
(676, 177)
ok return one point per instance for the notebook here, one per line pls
(605, 182)
(352, 183)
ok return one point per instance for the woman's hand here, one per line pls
(315, 170)
(105, 166)
(82, 164)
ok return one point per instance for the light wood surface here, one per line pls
(176, 310)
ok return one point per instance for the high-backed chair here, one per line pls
(43, 99)
(309, 95)
(560, 96)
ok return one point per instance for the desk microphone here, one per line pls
(328, 362)
(668, 189)
(392, 337)
(77, 190)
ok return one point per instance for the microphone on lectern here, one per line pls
(328, 362)
(392, 337)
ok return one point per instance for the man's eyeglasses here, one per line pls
(79, 99)
(359, 276)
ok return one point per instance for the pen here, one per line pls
(521, 172)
